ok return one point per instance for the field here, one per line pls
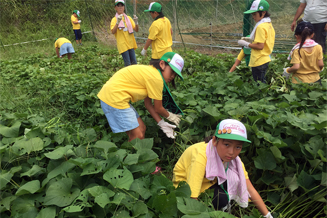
(59, 157)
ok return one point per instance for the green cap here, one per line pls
(119, 1)
(76, 12)
(175, 61)
(258, 5)
(231, 129)
(154, 6)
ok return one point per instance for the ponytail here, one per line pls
(304, 35)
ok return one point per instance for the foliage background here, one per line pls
(54, 137)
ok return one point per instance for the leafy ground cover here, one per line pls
(60, 159)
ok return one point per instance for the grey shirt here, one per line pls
(315, 11)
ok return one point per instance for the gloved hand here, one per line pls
(119, 18)
(167, 128)
(143, 52)
(175, 118)
(268, 215)
(248, 39)
(322, 69)
(136, 20)
(243, 43)
(79, 21)
(285, 74)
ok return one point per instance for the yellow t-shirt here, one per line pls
(75, 26)
(60, 41)
(309, 69)
(241, 55)
(191, 168)
(125, 40)
(132, 83)
(264, 33)
(160, 34)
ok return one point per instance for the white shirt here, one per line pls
(315, 11)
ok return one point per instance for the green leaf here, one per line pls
(314, 95)
(61, 193)
(102, 195)
(119, 178)
(277, 154)
(62, 169)
(291, 183)
(305, 180)
(105, 146)
(190, 206)
(324, 179)
(141, 186)
(29, 188)
(183, 190)
(131, 159)
(142, 144)
(265, 160)
(27, 146)
(48, 212)
(60, 152)
(139, 208)
(91, 169)
(79, 203)
(6, 202)
(23, 207)
(146, 155)
(220, 214)
(10, 132)
(35, 170)
(165, 204)
(212, 111)
(5, 177)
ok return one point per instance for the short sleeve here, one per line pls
(260, 35)
(153, 30)
(154, 88)
(303, 1)
(245, 172)
(320, 53)
(113, 23)
(295, 57)
(240, 55)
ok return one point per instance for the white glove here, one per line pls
(167, 128)
(174, 118)
(143, 52)
(268, 215)
(285, 74)
(79, 21)
(119, 18)
(136, 20)
(243, 43)
(322, 69)
(248, 39)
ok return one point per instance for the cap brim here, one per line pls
(119, 2)
(176, 71)
(146, 10)
(233, 137)
(249, 12)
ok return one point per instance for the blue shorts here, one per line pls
(66, 48)
(120, 120)
(78, 34)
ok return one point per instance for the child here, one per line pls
(216, 165)
(135, 83)
(263, 36)
(65, 47)
(76, 26)
(160, 33)
(123, 27)
(306, 56)
(245, 52)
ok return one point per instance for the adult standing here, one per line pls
(160, 33)
(123, 27)
(77, 26)
(315, 12)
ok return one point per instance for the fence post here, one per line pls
(175, 19)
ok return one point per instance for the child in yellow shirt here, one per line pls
(141, 82)
(306, 56)
(76, 23)
(245, 53)
(65, 47)
(160, 33)
(123, 27)
(263, 36)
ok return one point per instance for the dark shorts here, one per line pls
(259, 72)
(320, 35)
(78, 34)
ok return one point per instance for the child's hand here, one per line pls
(135, 18)
(268, 215)
(243, 43)
(285, 73)
(79, 21)
(167, 128)
(143, 52)
(119, 18)
(175, 118)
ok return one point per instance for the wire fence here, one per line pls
(212, 23)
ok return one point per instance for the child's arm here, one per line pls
(155, 110)
(57, 51)
(237, 62)
(256, 198)
(294, 68)
(257, 46)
